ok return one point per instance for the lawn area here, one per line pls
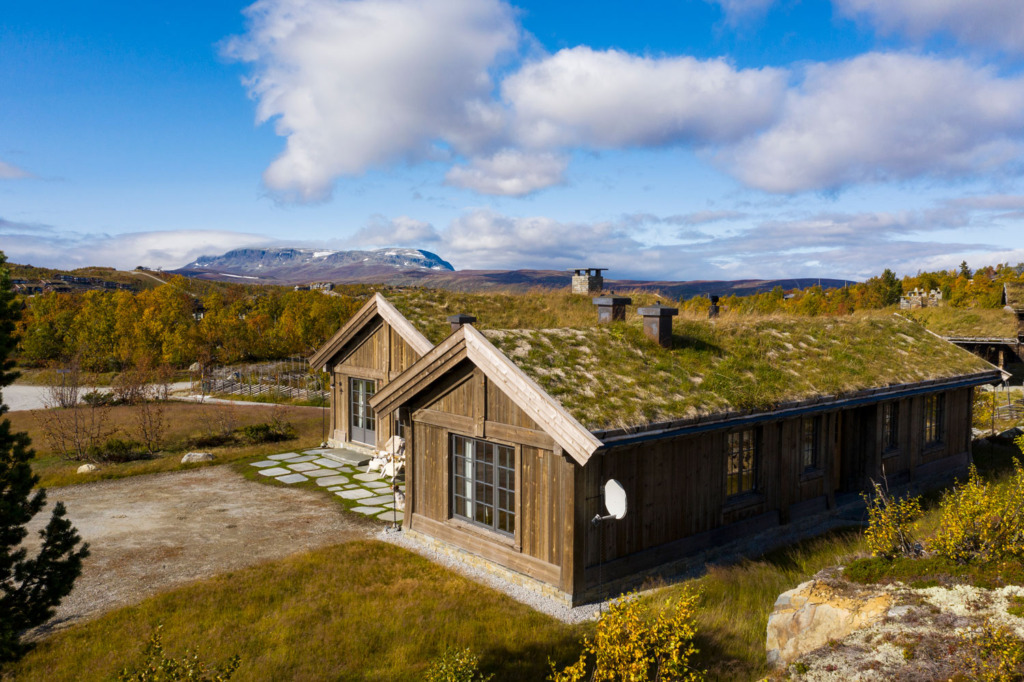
(364, 610)
(190, 426)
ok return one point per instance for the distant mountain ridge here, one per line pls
(293, 265)
(415, 267)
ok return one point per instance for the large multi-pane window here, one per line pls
(810, 428)
(484, 483)
(891, 427)
(741, 466)
(934, 419)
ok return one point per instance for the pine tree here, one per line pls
(30, 588)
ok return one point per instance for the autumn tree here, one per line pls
(30, 587)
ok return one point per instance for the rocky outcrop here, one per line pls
(816, 612)
(194, 457)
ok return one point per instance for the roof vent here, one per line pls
(611, 308)
(658, 323)
(587, 280)
(456, 321)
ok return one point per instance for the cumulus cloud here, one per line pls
(10, 172)
(983, 23)
(400, 231)
(56, 248)
(611, 99)
(885, 116)
(362, 83)
(510, 173)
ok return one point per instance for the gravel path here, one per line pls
(153, 533)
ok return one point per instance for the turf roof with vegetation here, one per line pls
(991, 323)
(428, 309)
(613, 376)
(1015, 295)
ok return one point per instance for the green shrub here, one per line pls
(268, 432)
(891, 522)
(117, 450)
(455, 665)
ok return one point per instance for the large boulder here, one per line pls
(88, 468)
(816, 612)
(194, 457)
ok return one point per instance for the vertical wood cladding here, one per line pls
(465, 403)
(676, 487)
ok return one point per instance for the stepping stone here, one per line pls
(380, 499)
(375, 484)
(350, 486)
(276, 471)
(354, 494)
(318, 451)
(264, 463)
(321, 472)
(367, 511)
(287, 455)
(303, 466)
(325, 481)
(329, 463)
(391, 516)
(292, 478)
(302, 458)
(334, 488)
(367, 477)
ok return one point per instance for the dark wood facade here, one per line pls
(675, 483)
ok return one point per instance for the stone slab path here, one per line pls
(351, 483)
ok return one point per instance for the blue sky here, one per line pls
(695, 139)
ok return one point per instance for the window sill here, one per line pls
(483, 532)
(742, 501)
(811, 475)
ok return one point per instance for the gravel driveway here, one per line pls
(153, 533)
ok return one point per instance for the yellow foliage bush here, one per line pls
(891, 522)
(981, 521)
(632, 645)
(995, 654)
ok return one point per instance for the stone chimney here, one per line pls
(611, 308)
(456, 321)
(658, 323)
(713, 310)
(587, 280)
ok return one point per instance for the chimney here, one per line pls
(713, 310)
(587, 280)
(456, 321)
(611, 308)
(658, 323)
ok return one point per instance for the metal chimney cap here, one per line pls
(461, 318)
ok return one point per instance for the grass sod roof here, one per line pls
(1015, 295)
(428, 309)
(613, 376)
(990, 323)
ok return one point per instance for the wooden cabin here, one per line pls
(735, 429)
(1013, 299)
(374, 347)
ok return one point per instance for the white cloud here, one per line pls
(400, 231)
(510, 173)
(10, 172)
(23, 243)
(983, 23)
(738, 10)
(611, 99)
(885, 116)
(355, 84)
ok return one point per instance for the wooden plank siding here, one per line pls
(376, 352)
(464, 403)
(676, 487)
